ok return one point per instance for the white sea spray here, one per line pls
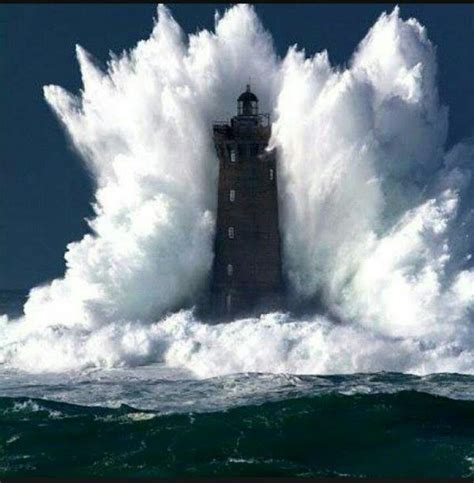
(376, 216)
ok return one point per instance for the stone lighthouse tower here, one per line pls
(246, 275)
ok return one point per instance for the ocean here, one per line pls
(153, 420)
(108, 373)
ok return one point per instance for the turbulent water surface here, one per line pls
(154, 420)
(142, 423)
(107, 370)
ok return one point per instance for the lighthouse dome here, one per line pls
(247, 103)
(247, 96)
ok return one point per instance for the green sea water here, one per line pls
(326, 433)
(158, 421)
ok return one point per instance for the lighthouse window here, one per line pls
(232, 155)
(254, 108)
(228, 301)
(232, 195)
(231, 232)
(271, 174)
(230, 270)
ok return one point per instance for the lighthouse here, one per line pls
(246, 276)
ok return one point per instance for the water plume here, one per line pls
(376, 216)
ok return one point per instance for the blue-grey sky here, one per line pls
(45, 192)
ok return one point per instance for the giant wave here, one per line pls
(377, 213)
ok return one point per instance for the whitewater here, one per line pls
(377, 212)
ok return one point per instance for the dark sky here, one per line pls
(45, 192)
